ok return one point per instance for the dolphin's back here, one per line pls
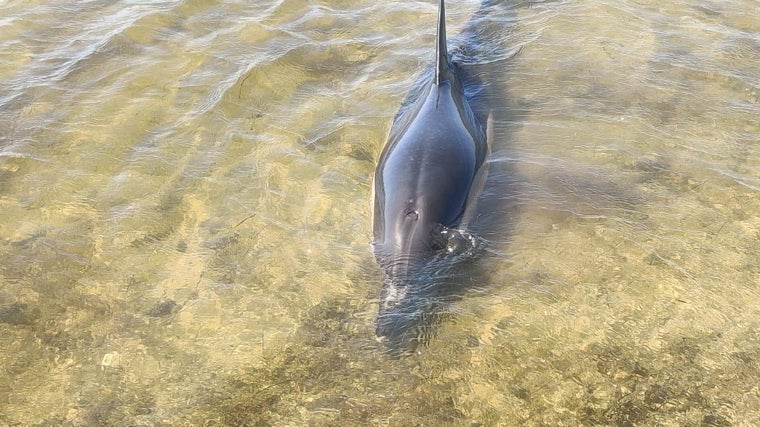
(427, 172)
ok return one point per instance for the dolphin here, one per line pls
(426, 182)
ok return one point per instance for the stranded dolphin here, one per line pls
(426, 181)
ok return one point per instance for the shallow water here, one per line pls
(185, 222)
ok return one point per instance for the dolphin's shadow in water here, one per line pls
(483, 59)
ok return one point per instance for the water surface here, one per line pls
(185, 222)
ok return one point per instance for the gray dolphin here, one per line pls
(427, 179)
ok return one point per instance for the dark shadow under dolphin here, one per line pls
(427, 185)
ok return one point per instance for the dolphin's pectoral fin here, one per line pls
(479, 181)
(489, 132)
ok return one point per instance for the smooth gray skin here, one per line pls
(424, 183)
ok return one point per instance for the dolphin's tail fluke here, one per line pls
(441, 50)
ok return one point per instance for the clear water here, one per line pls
(185, 222)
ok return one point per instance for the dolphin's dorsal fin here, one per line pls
(441, 52)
